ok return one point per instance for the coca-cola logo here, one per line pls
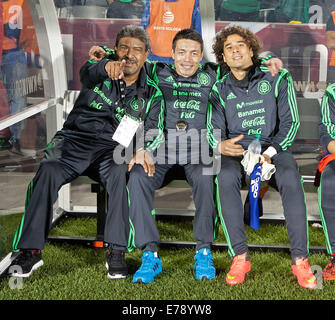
(258, 121)
(192, 104)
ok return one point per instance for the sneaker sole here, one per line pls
(142, 280)
(26, 275)
(204, 278)
(232, 282)
(115, 275)
(328, 277)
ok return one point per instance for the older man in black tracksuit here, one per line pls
(248, 100)
(85, 144)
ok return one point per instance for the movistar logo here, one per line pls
(231, 96)
(248, 103)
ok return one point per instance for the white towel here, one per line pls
(249, 161)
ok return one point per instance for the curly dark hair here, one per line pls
(251, 39)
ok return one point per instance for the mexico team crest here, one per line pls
(134, 103)
(264, 87)
(203, 79)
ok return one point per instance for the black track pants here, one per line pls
(288, 182)
(326, 197)
(142, 192)
(64, 160)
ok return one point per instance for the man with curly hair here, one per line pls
(247, 101)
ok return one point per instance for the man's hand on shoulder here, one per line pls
(96, 53)
(274, 65)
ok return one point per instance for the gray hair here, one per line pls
(133, 32)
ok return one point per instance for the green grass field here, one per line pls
(79, 273)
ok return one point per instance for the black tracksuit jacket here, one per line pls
(266, 105)
(99, 108)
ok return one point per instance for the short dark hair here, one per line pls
(133, 32)
(250, 38)
(188, 34)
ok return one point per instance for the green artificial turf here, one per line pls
(79, 273)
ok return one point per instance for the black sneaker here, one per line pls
(25, 263)
(116, 264)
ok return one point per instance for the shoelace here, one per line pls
(24, 255)
(205, 260)
(304, 264)
(115, 256)
(147, 262)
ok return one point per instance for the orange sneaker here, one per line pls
(302, 270)
(328, 272)
(239, 268)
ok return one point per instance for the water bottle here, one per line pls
(255, 145)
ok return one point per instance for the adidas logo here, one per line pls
(169, 79)
(231, 96)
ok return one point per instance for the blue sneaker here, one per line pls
(204, 265)
(151, 266)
